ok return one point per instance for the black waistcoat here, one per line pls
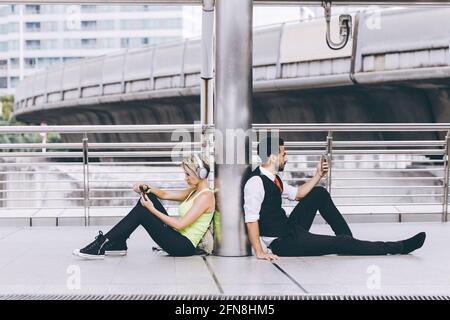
(272, 217)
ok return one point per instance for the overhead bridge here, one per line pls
(395, 68)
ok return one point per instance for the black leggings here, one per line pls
(298, 241)
(167, 238)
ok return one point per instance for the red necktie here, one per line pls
(278, 184)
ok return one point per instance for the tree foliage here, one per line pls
(7, 119)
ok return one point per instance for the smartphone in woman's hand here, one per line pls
(143, 188)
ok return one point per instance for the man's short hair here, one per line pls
(268, 146)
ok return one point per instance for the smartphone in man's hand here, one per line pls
(324, 161)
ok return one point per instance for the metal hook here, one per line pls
(345, 27)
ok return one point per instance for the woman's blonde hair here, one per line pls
(192, 163)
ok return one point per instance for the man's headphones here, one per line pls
(201, 171)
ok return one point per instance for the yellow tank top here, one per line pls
(197, 229)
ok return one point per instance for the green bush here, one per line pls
(7, 119)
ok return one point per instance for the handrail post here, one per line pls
(102, 84)
(330, 158)
(207, 83)
(152, 71)
(209, 151)
(86, 179)
(446, 177)
(183, 61)
(278, 66)
(124, 64)
(207, 64)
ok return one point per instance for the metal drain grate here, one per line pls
(221, 297)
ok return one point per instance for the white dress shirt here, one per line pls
(254, 195)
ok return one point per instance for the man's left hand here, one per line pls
(322, 167)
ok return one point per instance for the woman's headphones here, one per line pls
(201, 171)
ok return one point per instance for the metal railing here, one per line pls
(407, 176)
(88, 179)
(85, 176)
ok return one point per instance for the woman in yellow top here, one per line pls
(176, 236)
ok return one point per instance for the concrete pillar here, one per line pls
(233, 112)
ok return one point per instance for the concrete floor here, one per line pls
(39, 260)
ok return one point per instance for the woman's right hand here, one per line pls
(266, 256)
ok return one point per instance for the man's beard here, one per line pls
(280, 168)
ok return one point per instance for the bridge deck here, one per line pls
(38, 260)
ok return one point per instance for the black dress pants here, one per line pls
(298, 241)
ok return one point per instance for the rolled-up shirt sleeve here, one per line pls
(289, 191)
(253, 197)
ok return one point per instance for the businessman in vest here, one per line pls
(269, 226)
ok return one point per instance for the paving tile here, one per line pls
(40, 260)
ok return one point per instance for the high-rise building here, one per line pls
(34, 37)
(265, 15)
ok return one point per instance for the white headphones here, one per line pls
(201, 171)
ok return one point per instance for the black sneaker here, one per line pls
(94, 250)
(116, 248)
